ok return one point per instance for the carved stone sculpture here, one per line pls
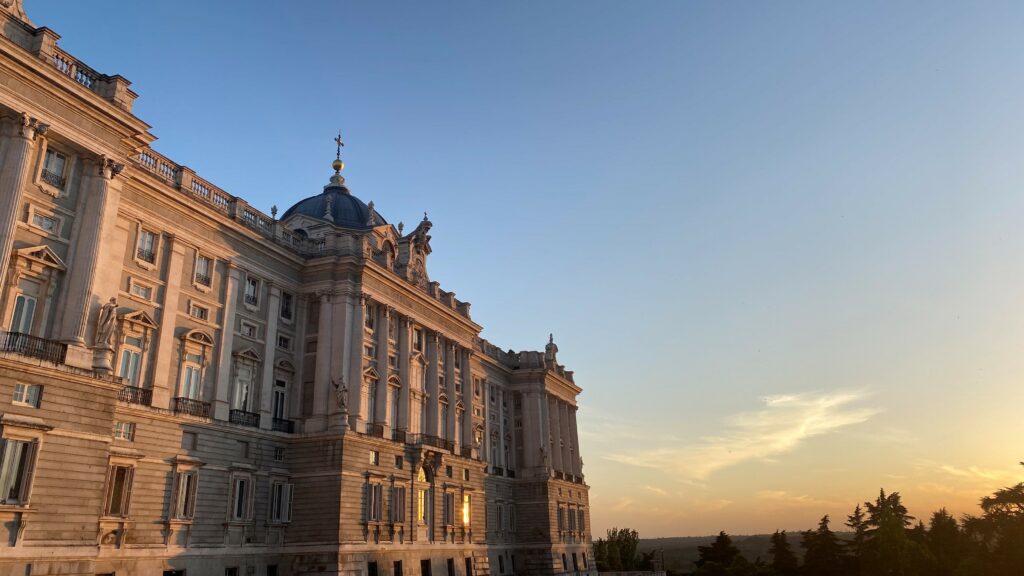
(106, 324)
(341, 394)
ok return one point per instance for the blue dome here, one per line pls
(345, 209)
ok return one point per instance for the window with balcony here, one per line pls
(18, 457)
(131, 360)
(203, 275)
(119, 490)
(280, 400)
(24, 314)
(252, 291)
(191, 376)
(146, 246)
(54, 169)
(287, 306)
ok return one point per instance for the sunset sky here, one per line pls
(781, 244)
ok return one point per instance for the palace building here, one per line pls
(189, 386)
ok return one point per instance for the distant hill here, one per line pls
(681, 552)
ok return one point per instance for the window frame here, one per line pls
(282, 495)
(248, 500)
(197, 277)
(44, 169)
(252, 302)
(140, 252)
(25, 472)
(125, 500)
(31, 395)
(124, 430)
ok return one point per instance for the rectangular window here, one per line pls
(371, 569)
(421, 506)
(53, 169)
(199, 312)
(370, 317)
(142, 291)
(398, 504)
(281, 502)
(24, 314)
(185, 495)
(580, 520)
(278, 454)
(375, 457)
(512, 517)
(241, 489)
(146, 249)
(252, 291)
(448, 509)
(16, 471)
(48, 224)
(191, 376)
(232, 571)
(204, 270)
(399, 462)
(465, 474)
(393, 361)
(119, 491)
(27, 394)
(561, 518)
(501, 518)
(131, 360)
(370, 351)
(284, 342)
(124, 431)
(249, 330)
(466, 509)
(417, 339)
(287, 306)
(189, 440)
(374, 502)
(392, 326)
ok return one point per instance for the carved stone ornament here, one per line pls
(341, 394)
(106, 324)
(15, 7)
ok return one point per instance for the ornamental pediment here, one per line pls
(42, 254)
(141, 318)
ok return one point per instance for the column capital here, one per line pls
(110, 169)
(29, 127)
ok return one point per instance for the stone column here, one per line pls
(89, 284)
(449, 368)
(564, 438)
(433, 343)
(222, 388)
(383, 397)
(269, 346)
(296, 391)
(165, 375)
(555, 431)
(323, 391)
(577, 469)
(353, 361)
(404, 374)
(467, 400)
(14, 175)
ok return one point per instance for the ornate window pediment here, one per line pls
(248, 354)
(140, 319)
(285, 366)
(197, 337)
(371, 374)
(43, 255)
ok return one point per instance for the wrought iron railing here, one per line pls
(52, 178)
(244, 418)
(146, 255)
(33, 347)
(135, 395)
(374, 429)
(497, 470)
(252, 299)
(203, 279)
(398, 435)
(282, 425)
(191, 407)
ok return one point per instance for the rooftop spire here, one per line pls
(338, 179)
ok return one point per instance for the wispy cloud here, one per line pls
(788, 500)
(780, 426)
(655, 490)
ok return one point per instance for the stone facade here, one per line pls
(190, 386)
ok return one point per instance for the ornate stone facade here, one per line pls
(190, 386)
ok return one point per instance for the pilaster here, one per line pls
(14, 176)
(222, 387)
(165, 374)
(273, 309)
(431, 428)
(322, 400)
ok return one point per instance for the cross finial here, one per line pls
(340, 144)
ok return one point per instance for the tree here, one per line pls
(618, 551)
(888, 549)
(823, 554)
(783, 560)
(855, 547)
(997, 537)
(718, 558)
(945, 543)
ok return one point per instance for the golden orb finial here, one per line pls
(338, 165)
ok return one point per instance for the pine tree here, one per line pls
(717, 558)
(855, 547)
(783, 560)
(823, 555)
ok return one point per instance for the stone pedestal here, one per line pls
(102, 359)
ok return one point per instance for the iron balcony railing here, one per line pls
(146, 255)
(252, 299)
(52, 178)
(282, 425)
(191, 407)
(244, 418)
(373, 429)
(33, 347)
(398, 435)
(203, 279)
(135, 395)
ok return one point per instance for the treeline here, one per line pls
(886, 541)
(618, 552)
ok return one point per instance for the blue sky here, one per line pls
(779, 242)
